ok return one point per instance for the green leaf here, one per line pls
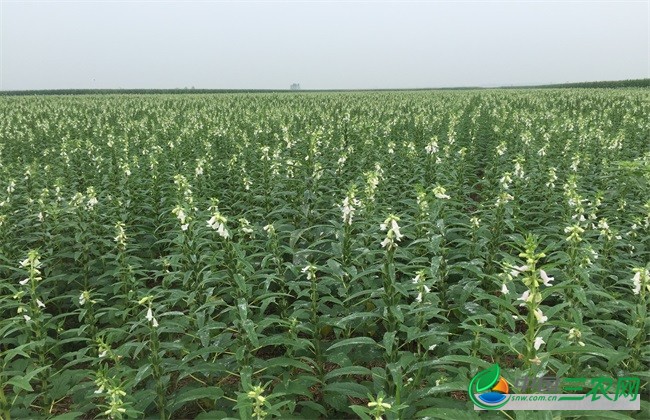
(20, 382)
(356, 315)
(351, 389)
(587, 415)
(348, 370)
(211, 415)
(352, 342)
(361, 412)
(469, 360)
(286, 362)
(186, 395)
(448, 413)
(534, 415)
(313, 406)
(72, 415)
(441, 389)
(389, 340)
(588, 349)
(10, 354)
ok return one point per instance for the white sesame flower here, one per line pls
(505, 181)
(636, 280)
(501, 148)
(120, 238)
(25, 263)
(180, 214)
(432, 347)
(245, 226)
(519, 170)
(40, 304)
(516, 270)
(504, 289)
(151, 318)
(218, 223)
(395, 228)
(418, 299)
(83, 298)
(348, 208)
(27, 318)
(387, 242)
(393, 233)
(24, 282)
(310, 269)
(545, 278)
(538, 342)
(541, 318)
(432, 147)
(503, 198)
(575, 232)
(379, 403)
(102, 354)
(524, 297)
(574, 333)
(439, 192)
(185, 226)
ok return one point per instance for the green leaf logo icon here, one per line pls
(487, 379)
(483, 382)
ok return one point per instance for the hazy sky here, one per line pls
(321, 45)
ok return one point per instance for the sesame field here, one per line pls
(320, 255)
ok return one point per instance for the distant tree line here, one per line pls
(128, 91)
(605, 84)
(645, 83)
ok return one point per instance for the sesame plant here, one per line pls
(322, 255)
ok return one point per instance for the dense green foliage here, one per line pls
(318, 255)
